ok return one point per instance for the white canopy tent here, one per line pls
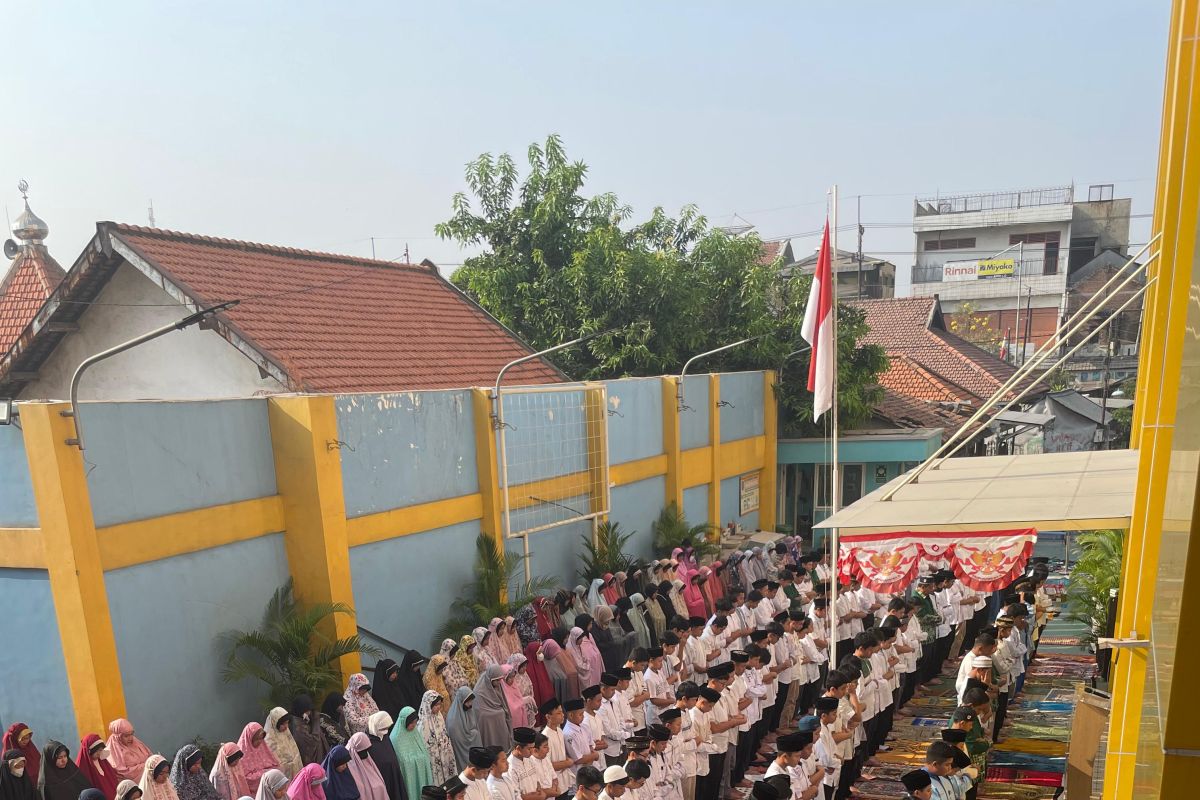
(1047, 491)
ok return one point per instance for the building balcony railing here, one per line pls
(994, 201)
(932, 273)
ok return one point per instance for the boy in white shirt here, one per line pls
(522, 769)
(657, 687)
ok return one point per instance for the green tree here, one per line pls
(606, 554)
(672, 530)
(289, 653)
(556, 264)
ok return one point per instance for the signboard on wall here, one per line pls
(979, 268)
(748, 493)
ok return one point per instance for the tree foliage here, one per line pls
(556, 264)
(1094, 576)
(672, 530)
(606, 554)
(289, 653)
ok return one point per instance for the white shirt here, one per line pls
(612, 729)
(476, 790)
(579, 744)
(706, 748)
(503, 788)
(545, 773)
(524, 772)
(658, 687)
(637, 685)
(558, 752)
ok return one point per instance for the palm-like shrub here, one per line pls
(672, 530)
(1094, 576)
(606, 554)
(499, 589)
(289, 653)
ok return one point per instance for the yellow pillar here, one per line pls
(596, 416)
(308, 473)
(670, 421)
(714, 441)
(485, 466)
(73, 561)
(1159, 371)
(767, 499)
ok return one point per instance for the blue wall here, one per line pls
(730, 496)
(34, 689)
(167, 617)
(405, 448)
(635, 506)
(17, 509)
(403, 587)
(693, 420)
(695, 504)
(743, 418)
(159, 458)
(555, 552)
(635, 429)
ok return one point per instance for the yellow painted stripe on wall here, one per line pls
(21, 548)
(640, 470)
(413, 519)
(139, 542)
(743, 455)
(695, 466)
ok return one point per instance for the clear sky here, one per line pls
(319, 125)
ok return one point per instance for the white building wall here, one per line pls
(993, 293)
(182, 365)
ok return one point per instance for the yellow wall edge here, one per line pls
(130, 543)
(695, 466)
(715, 452)
(21, 548)
(743, 455)
(767, 492)
(640, 470)
(412, 519)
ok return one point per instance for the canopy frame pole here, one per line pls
(1066, 330)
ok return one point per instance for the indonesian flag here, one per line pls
(1004, 346)
(818, 332)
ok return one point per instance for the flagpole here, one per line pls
(835, 478)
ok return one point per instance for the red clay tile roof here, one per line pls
(911, 412)
(912, 327)
(31, 277)
(770, 251)
(909, 378)
(338, 323)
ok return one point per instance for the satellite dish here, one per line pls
(11, 248)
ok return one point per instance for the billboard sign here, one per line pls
(979, 268)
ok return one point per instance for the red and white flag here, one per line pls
(1004, 346)
(818, 332)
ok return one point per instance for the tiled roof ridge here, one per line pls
(937, 381)
(240, 244)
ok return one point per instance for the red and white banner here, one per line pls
(890, 562)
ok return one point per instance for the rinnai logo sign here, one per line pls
(980, 268)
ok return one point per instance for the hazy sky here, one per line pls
(319, 125)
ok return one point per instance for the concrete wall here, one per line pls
(17, 509)
(170, 367)
(635, 506)
(695, 504)
(730, 505)
(403, 587)
(34, 689)
(149, 459)
(635, 419)
(405, 448)
(743, 416)
(693, 420)
(168, 616)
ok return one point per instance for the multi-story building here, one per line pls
(1000, 262)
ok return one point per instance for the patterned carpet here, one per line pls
(1030, 760)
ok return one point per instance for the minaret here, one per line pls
(32, 277)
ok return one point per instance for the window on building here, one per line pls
(962, 243)
(1083, 250)
(1099, 192)
(1049, 252)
